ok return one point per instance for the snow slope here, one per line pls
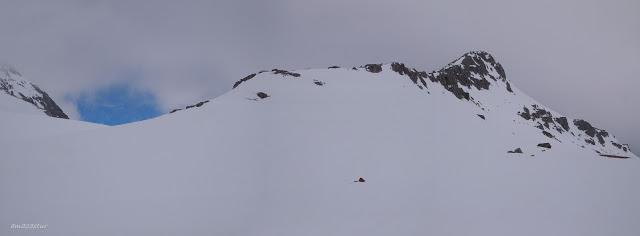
(278, 155)
(13, 105)
(26, 129)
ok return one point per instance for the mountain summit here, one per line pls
(13, 84)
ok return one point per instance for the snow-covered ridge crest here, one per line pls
(475, 78)
(13, 84)
(480, 62)
(473, 70)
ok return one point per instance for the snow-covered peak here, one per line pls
(481, 59)
(475, 79)
(13, 84)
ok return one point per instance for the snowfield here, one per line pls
(286, 164)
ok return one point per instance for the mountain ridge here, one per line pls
(474, 72)
(13, 84)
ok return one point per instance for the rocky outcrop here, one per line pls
(517, 150)
(417, 77)
(262, 95)
(614, 156)
(544, 145)
(284, 73)
(544, 119)
(472, 70)
(591, 131)
(586, 133)
(373, 68)
(248, 77)
(190, 106)
(562, 121)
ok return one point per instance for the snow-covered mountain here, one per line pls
(33, 99)
(476, 78)
(379, 149)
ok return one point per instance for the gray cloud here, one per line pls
(579, 57)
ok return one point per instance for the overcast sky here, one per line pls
(579, 57)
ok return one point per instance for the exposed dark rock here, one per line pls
(197, 104)
(624, 147)
(481, 116)
(470, 70)
(563, 122)
(360, 180)
(262, 95)
(546, 122)
(614, 156)
(619, 146)
(545, 119)
(318, 82)
(591, 131)
(547, 134)
(413, 74)
(479, 62)
(543, 115)
(517, 150)
(285, 73)
(590, 141)
(373, 68)
(526, 114)
(275, 71)
(603, 133)
(585, 126)
(450, 84)
(544, 145)
(334, 67)
(248, 77)
(354, 68)
(190, 106)
(509, 87)
(49, 106)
